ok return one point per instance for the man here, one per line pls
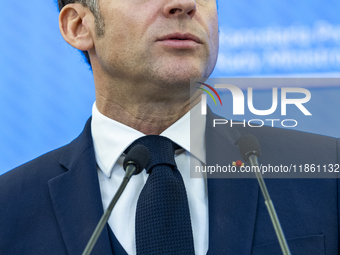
(143, 54)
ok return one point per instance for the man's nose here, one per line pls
(180, 8)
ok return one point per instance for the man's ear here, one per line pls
(76, 23)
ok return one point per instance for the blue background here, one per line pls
(47, 90)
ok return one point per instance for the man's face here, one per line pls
(158, 41)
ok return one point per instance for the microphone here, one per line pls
(134, 163)
(249, 145)
(136, 160)
(250, 150)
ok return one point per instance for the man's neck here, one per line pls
(142, 103)
(150, 118)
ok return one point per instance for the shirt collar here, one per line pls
(111, 138)
(189, 133)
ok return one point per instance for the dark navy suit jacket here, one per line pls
(52, 204)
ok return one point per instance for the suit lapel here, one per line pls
(232, 202)
(76, 196)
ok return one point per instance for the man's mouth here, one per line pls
(180, 37)
(180, 41)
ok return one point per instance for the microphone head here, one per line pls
(139, 156)
(249, 145)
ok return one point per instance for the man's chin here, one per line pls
(178, 81)
(181, 74)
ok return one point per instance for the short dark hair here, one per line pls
(94, 8)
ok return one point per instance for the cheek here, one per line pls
(214, 34)
(125, 31)
(117, 39)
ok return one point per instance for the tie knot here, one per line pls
(161, 149)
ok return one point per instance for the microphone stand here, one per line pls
(96, 233)
(270, 206)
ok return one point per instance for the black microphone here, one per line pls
(249, 145)
(136, 160)
(250, 150)
(134, 163)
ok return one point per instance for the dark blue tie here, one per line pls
(163, 224)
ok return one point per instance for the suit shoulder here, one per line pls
(41, 168)
(266, 133)
(301, 146)
(290, 136)
(46, 167)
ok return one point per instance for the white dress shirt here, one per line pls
(111, 138)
